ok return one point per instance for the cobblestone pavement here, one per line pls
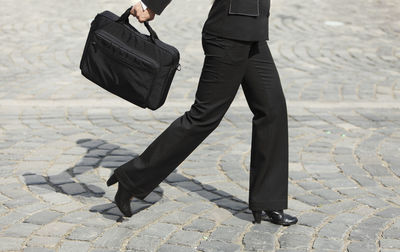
(61, 136)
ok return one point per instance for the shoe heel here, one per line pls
(257, 216)
(112, 180)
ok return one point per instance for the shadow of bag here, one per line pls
(134, 66)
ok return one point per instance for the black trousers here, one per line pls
(227, 64)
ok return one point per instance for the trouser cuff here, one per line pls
(271, 205)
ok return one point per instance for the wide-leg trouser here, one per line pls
(227, 64)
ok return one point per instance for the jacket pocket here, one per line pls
(244, 7)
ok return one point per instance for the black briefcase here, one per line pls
(134, 66)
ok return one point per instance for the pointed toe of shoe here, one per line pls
(112, 180)
(281, 218)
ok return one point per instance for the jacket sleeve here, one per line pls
(156, 5)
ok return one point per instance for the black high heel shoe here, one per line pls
(122, 197)
(280, 218)
(275, 216)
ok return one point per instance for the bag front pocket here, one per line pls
(244, 7)
(118, 69)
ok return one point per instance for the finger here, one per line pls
(138, 10)
(133, 10)
(139, 19)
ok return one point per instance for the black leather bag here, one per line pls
(134, 66)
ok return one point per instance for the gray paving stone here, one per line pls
(292, 250)
(81, 169)
(61, 178)
(241, 219)
(43, 241)
(42, 217)
(188, 186)
(310, 185)
(391, 212)
(265, 227)
(197, 207)
(11, 218)
(34, 179)
(122, 152)
(21, 201)
(218, 246)
(372, 202)
(11, 243)
(76, 217)
(112, 237)
(206, 195)
(19, 230)
(338, 207)
(73, 188)
(376, 170)
(364, 180)
(175, 248)
(38, 249)
(183, 237)
(85, 233)
(298, 229)
(226, 233)
(231, 204)
(103, 250)
(294, 241)
(381, 192)
(340, 183)
(161, 230)
(55, 229)
(95, 189)
(74, 246)
(349, 219)
(144, 243)
(392, 233)
(329, 244)
(390, 243)
(333, 230)
(364, 233)
(327, 194)
(177, 217)
(256, 241)
(153, 197)
(108, 146)
(200, 224)
(89, 161)
(312, 200)
(361, 246)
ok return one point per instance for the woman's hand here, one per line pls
(140, 14)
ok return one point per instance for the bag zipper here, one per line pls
(111, 39)
(142, 36)
(119, 60)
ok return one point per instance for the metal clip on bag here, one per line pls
(134, 66)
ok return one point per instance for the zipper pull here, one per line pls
(94, 46)
(178, 67)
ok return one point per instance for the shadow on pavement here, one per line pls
(77, 182)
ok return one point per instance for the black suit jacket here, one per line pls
(237, 19)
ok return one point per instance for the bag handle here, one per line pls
(124, 18)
